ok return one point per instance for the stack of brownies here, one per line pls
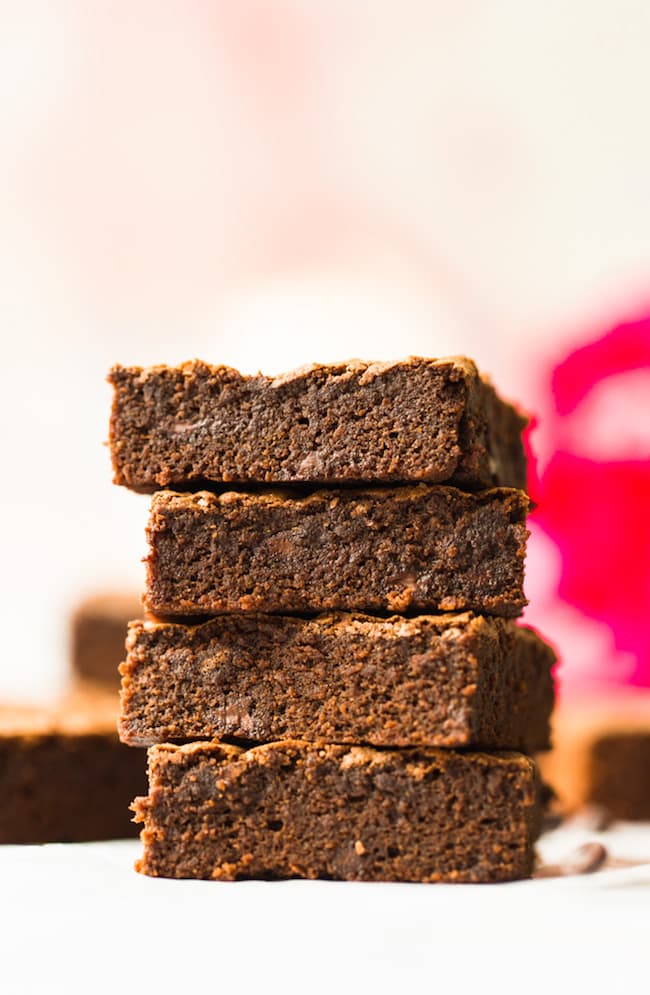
(334, 685)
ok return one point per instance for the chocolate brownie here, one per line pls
(294, 809)
(416, 420)
(447, 680)
(601, 753)
(403, 549)
(64, 775)
(97, 634)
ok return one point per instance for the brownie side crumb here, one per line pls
(411, 549)
(412, 420)
(291, 809)
(515, 687)
(453, 680)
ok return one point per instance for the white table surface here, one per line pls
(77, 918)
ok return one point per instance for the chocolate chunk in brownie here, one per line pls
(447, 680)
(414, 420)
(403, 549)
(293, 809)
(64, 775)
(601, 753)
(97, 634)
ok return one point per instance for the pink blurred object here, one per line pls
(593, 496)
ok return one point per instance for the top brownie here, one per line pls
(432, 420)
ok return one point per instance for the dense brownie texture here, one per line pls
(402, 549)
(419, 419)
(291, 809)
(97, 634)
(64, 775)
(601, 753)
(450, 680)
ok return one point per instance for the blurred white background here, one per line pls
(269, 183)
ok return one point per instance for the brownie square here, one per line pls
(294, 809)
(447, 680)
(64, 775)
(408, 549)
(414, 420)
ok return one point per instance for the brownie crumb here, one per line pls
(407, 549)
(293, 809)
(415, 420)
(447, 680)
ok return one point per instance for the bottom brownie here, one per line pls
(64, 775)
(295, 809)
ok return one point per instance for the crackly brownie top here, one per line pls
(348, 756)
(278, 497)
(364, 370)
(398, 626)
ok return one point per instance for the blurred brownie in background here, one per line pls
(64, 775)
(601, 753)
(97, 634)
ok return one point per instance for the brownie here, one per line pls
(601, 753)
(97, 634)
(294, 809)
(619, 774)
(412, 549)
(64, 775)
(417, 420)
(448, 680)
